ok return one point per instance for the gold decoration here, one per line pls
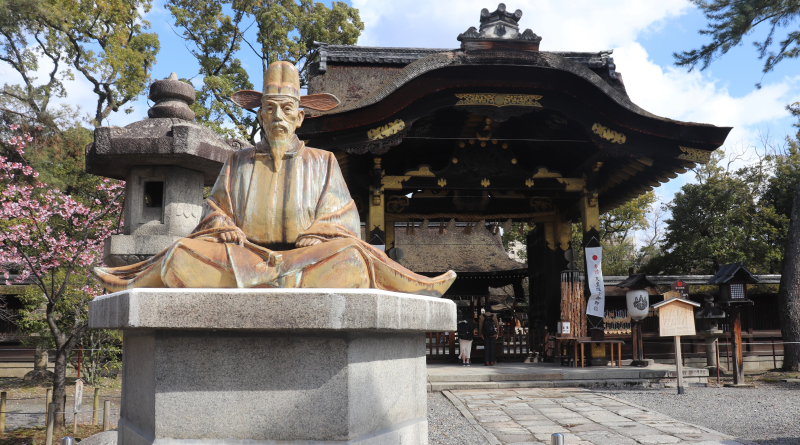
(605, 133)
(541, 204)
(394, 182)
(507, 195)
(529, 182)
(499, 100)
(483, 143)
(471, 141)
(494, 141)
(485, 182)
(695, 155)
(505, 145)
(424, 171)
(396, 204)
(543, 172)
(442, 182)
(461, 144)
(514, 160)
(573, 184)
(455, 160)
(386, 130)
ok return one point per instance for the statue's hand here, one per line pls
(233, 236)
(305, 242)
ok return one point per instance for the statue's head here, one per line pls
(280, 112)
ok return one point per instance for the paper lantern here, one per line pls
(638, 303)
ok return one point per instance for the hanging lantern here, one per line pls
(638, 303)
(638, 300)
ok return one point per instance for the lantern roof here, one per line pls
(637, 281)
(673, 301)
(733, 273)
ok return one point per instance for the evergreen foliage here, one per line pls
(284, 30)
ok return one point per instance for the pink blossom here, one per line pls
(49, 231)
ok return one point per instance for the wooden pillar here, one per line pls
(590, 219)
(738, 355)
(389, 234)
(533, 324)
(376, 224)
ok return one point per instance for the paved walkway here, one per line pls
(532, 415)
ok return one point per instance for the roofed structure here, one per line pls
(495, 129)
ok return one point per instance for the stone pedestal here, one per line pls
(711, 337)
(288, 366)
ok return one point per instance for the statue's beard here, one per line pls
(278, 145)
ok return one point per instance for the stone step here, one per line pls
(570, 374)
(446, 386)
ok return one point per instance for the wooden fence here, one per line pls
(512, 345)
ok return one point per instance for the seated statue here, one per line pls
(279, 216)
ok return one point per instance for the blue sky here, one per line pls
(643, 34)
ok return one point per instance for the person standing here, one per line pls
(466, 333)
(489, 329)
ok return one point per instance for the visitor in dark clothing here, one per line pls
(489, 329)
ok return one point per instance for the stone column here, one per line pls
(259, 366)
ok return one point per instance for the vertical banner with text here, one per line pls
(597, 300)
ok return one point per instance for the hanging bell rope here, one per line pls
(507, 225)
(441, 226)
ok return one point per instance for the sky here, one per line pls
(642, 33)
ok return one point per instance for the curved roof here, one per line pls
(428, 251)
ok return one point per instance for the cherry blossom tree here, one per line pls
(53, 239)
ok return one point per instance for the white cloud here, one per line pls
(587, 25)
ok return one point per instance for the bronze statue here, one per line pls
(279, 216)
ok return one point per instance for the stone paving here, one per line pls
(527, 416)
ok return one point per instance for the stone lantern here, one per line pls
(708, 319)
(733, 280)
(165, 160)
(638, 299)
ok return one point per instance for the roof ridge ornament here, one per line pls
(499, 30)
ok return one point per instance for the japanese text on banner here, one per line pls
(597, 300)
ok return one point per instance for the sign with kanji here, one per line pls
(681, 287)
(597, 299)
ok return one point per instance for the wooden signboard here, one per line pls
(676, 319)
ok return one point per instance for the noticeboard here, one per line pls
(676, 318)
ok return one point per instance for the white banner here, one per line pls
(597, 301)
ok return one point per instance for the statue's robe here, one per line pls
(305, 199)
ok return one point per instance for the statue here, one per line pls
(279, 216)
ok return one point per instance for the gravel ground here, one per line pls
(768, 414)
(446, 425)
